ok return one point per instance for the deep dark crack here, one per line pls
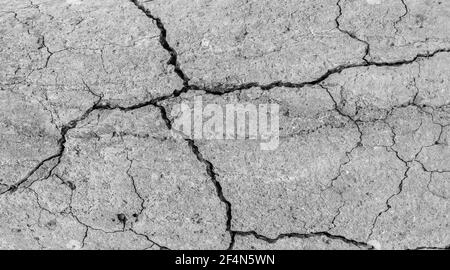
(210, 170)
(50, 163)
(306, 236)
(220, 89)
(164, 43)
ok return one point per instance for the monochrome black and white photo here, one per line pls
(224, 125)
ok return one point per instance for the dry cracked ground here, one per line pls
(88, 160)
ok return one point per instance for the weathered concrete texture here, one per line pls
(25, 224)
(397, 30)
(129, 173)
(223, 42)
(123, 173)
(347, 149)
(418, 217)
(280, 191)
(27, 136)
(370, 93)
(68, 51)
(88, 153)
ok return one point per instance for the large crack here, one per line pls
(219, 190)
(210, 170)
(99, 105)
(133, 183)
(306, 236)
(164, 43)
(221, 89)
(212, 175)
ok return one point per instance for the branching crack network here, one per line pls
(221, 89)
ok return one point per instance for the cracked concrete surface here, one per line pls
(88, 160)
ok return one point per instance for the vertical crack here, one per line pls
(133, 182)
(307, 236)
(219, 190)
(350, 34)
(405, 6)
(210, 170)
(164, 43)
(399, 189)
(355, 122)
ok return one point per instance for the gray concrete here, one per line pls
(88, 159)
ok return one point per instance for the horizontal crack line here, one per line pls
(305, 236)
(220, 89)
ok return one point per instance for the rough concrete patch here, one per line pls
(298, 172)
(27, 136)
(263, 41)
(417, 219)
(88, 160)
(397, 30)
(130, 173)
